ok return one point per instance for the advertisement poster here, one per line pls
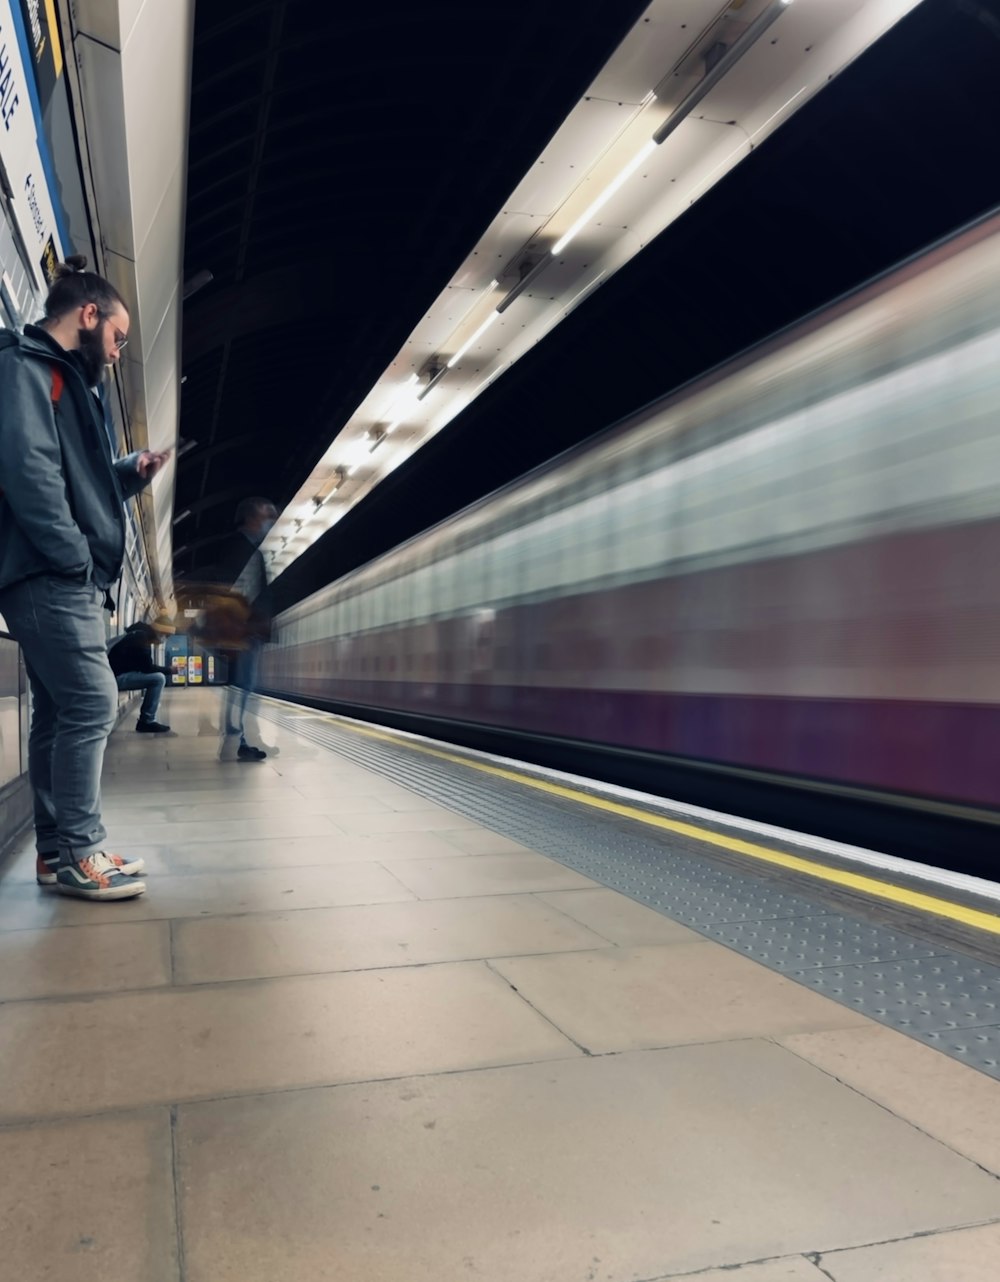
(194, 670)
(29, 179)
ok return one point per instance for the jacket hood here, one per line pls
(35, 342)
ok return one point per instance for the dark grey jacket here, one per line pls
(61, 510)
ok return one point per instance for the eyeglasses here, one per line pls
(120, 339)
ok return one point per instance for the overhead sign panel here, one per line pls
(24, 155)
(39, 18)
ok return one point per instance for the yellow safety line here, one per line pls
(855, 881)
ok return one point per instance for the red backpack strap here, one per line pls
(58, 383)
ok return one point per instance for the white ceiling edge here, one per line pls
(131, 95)
(805, 47)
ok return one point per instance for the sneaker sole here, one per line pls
(128, 891)
(129, 870)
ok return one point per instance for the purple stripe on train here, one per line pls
(933, 749)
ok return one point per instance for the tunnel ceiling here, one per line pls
(342, 162)
(342, 165)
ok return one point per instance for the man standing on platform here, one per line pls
(62, 543)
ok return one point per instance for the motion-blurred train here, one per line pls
(775, 587)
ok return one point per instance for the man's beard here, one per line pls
(91, 355)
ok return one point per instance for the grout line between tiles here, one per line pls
(191, 986)
(112, 1110)
(885, 1108)
(584, 1050)
(171, 944)
(814, 1257)
(177, 1198)
(736, 1269)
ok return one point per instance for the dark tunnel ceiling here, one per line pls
(341, 167)
(342, 162)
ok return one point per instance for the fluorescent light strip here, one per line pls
(619, 181)
(355, 453)
(407, 400)
(469, 342)
(680, 113)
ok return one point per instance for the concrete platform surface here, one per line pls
(346, 1034)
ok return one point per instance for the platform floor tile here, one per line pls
(89, 1201)
(162, 1046)
(378, 935)
(941, 1096)
(313, 1050)
(617, 919)
(83, 959)
(614, 1168)
(628, 999)
(507, 874)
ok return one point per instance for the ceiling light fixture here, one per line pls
(714, 54)
(330, 486)
(725, 64)
(182, 516)
(405, 401)
(354, 454)
(680, 113)
(435, 373)
(600, 201)
(470, 342)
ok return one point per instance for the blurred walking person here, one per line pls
(241, 567)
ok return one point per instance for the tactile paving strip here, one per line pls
(935, 995)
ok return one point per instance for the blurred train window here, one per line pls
(409, 608)
(395, 594)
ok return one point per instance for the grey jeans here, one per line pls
(242, 684)
(152, 683)
(59, 624)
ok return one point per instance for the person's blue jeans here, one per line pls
(242, 684)
(59, 625)
(152, 683)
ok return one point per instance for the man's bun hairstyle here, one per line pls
(76, 287)
(73, 264)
